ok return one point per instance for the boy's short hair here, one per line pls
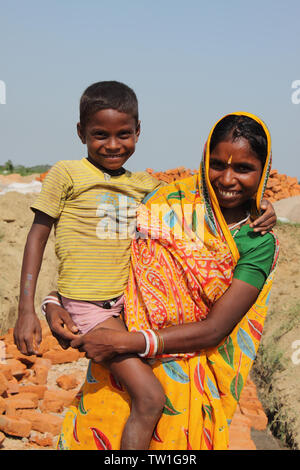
(108, 95)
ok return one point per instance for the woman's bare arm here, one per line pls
(102, 344)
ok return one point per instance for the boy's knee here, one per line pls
(150, 403)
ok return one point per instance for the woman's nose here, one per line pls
(228, 177)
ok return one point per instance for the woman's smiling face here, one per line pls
(234, 172)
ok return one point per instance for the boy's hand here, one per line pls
(61, 325)
(267, 220)
(28, 333)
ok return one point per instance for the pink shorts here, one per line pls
(86, 315)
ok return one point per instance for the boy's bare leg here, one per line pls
(146, 393)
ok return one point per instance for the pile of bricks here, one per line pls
(42, 176)
(29, 408)
(249, 414)
(169, 176)
(278, 186)
(281, 186)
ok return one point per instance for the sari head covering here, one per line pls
(181, 264)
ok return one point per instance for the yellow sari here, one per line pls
(181, 264)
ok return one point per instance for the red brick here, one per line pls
(239, 432)
(63, 356)
(29, 396)
(38, 390)
(2, 405)
(67, 381)
(45, 329)
(3, 383)
(40, 374)
(41, 361)
(17, 367)
(65, 396)
(52, 406)
(11, 351)
(27, 360)
(13, 387)
(9, 337)
(240, 419)
(10, 411)
(20, 403)
(42, 441)
(5, 369)
(48, 343)
(15, 426)
(242, 445)
(250, 403)
(42, 422)
(258, 418)
(2, 437)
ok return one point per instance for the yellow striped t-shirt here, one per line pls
(95, 219)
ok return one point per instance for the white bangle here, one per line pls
(147, 344)
(151, 343)
(49, 300)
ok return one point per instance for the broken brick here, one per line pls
(15, 426)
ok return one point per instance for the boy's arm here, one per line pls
(27, 331)
(267, 220)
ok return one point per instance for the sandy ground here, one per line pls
(288, 209)
(15, 221)
(282, 334)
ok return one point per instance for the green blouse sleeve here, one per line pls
(256, 256)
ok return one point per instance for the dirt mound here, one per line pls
(277, 366)
(15, 221)
(288, 209)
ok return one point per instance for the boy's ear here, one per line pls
(138, 130)
(80, 133)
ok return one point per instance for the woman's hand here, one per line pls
(61, 324)
(267, 220)
(102, 344)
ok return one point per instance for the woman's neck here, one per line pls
(232, 216)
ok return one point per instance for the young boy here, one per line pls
(92, 203)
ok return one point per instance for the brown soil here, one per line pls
(15, 221)
(277, 375)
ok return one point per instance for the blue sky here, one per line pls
(189, 63)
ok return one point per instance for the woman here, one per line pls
(197, 259)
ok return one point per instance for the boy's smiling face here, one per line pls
(110, 137)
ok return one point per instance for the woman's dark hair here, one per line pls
(234, 127)
(108, 95)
